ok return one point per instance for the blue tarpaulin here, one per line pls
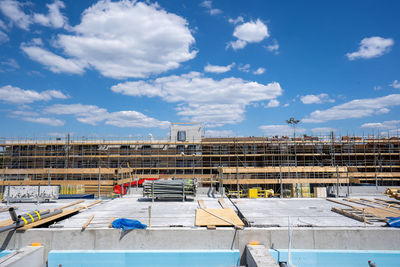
(127, 224)
(393, 222)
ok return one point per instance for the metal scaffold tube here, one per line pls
(27, 218)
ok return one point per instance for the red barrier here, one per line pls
(117, 188)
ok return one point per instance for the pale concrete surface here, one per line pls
(258, 256)
(26, 256)
(261, 213)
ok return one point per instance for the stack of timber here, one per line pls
(170, 188)
(393, 192)
(211, 218)
(368, 210)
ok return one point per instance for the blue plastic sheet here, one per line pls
(127, 224)
(393, 222)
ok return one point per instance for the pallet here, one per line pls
(211, 218)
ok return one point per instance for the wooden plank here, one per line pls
(211, 227)
(349, 214)
(94, 203)
(87, 222)
(339, 202)
(283, 169)
(64, 213)
(394, 212)
(217, 217)
(70, 204)
(111, 221)
(221, 201)
(201, 204)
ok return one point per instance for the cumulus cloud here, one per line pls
(9, 64)
(279, 130)
(16, 95)
(43, 120)
(272, 104)
(274, 47)
(357, 108)
(393, 124)
(371, 47)
(208, 5)
(54, 18)
(204, 99)
(3, 37)
(316, 99)
(244, 68)
(249, 32)
(395, 84)
(121, 40)
(13, 11)
(52, 61)
(237, 20)
(259, 71)
(219, 133)
(91, 114)
(218, 69)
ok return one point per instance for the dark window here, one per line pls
(181, 135)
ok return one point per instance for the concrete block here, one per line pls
(26, 256)
(258, 256)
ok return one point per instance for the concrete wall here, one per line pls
(193, 132)
(186, 238)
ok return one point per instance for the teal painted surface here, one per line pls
(334, 258)
(4, 252)
(143, 258)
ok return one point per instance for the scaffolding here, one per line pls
(236, 163)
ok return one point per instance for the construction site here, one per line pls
(189, 200)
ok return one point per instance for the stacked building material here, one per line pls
(170, 188)
(393, 193)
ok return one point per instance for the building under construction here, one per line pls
(236, 162)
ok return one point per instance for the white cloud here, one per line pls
(372, 47)
(259, 71)
(52, 61)
(377, 87)
(9, 65)
(54, 18)
(395, 84)
(15, 95)
(274, 47)
(249, 32)
(280, 130)
(218, 69)
(122, 40)
(357, 108)
(382, 125)
(43, 120)
(286, 105)
(3, 37)
(316, 99)
(204, 99)
(272, 104)
(237, 20)
(219, 133)
(208, 5)
(13, 11)
(91, 114)
(244, 68)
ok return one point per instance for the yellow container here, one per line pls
(253, 193)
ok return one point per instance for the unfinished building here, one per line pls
(236, 163)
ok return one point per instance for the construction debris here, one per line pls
(393, 192)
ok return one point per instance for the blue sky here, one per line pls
(241, 68)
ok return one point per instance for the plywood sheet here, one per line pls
(204, 217)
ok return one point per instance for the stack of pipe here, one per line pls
(33, 216)
(170, 188)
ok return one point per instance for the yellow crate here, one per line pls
(253, 193)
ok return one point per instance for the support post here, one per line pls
(337, 182)
(280, 180)
(98, 189)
